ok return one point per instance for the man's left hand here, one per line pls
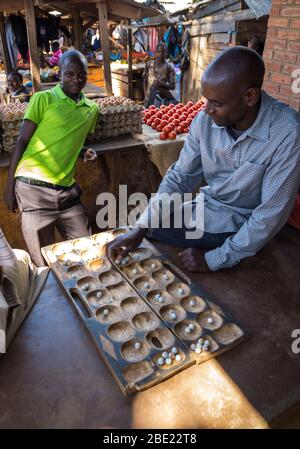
(193, 260)
(89, 155)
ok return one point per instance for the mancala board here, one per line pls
(129, 335)
(143, 339)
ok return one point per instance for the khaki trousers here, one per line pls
(43, 209)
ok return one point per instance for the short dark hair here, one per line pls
(55, 45)
(16, 76)
(72, 55)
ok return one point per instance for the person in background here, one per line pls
(96, 45)
(16, 87)
(53, 61)
(42, 166)
(159, 79)
(255, 44)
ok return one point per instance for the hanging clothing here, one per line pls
(12, 45)
(153, 39)
(185, 47)
(141, 40)
(172, 38)
(19, 27)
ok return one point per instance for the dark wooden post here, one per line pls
(3, 46)
(104, 37)
(32, 43)
(129, 60)
(78, 38)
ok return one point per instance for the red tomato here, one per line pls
(147, 115)
(184, 124)
(172, 125)
(179, 130)
(159, 114)
(176, 121)
(156, 121)
(183, 117)
(163, 136)
(165, 117)
(185, 130)
(152, 107)
(190, 103)
(159, 128)
(172, 135)
(170, 113)
(167, 129)
(163, 106)
(176, 115)
(180, 105)
(149, 122)
(153, 126)
(171, 105)
(189, 120)
(164, 123)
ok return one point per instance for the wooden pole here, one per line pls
(32, 43)
(129, 59)
(104, 37)
(77, 28)
(3, 46)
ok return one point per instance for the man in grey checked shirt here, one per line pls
(245, 145)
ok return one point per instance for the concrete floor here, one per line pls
(53, 376)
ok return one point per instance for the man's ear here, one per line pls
(253, 96)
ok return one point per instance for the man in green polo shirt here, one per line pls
(41, 175)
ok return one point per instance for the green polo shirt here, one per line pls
(54, 148)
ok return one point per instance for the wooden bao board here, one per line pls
(120, 307)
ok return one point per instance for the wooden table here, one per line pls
(53, 376)
(118, 145)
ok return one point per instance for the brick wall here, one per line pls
(282, 51)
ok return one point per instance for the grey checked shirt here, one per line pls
(252, 182)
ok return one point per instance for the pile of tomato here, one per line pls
(172, 120)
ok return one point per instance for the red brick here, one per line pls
(268, 54)
(289, 68)
(275, 44)
(281, 79)
(290, 12)
(285, 57)
(289, 35)
(271, 88)
(272, 32)
(278, 22)
(273, 66)
(285, 90)
(295, 24)
(293, 46)
(275, 11)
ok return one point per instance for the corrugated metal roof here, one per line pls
(259, 7)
